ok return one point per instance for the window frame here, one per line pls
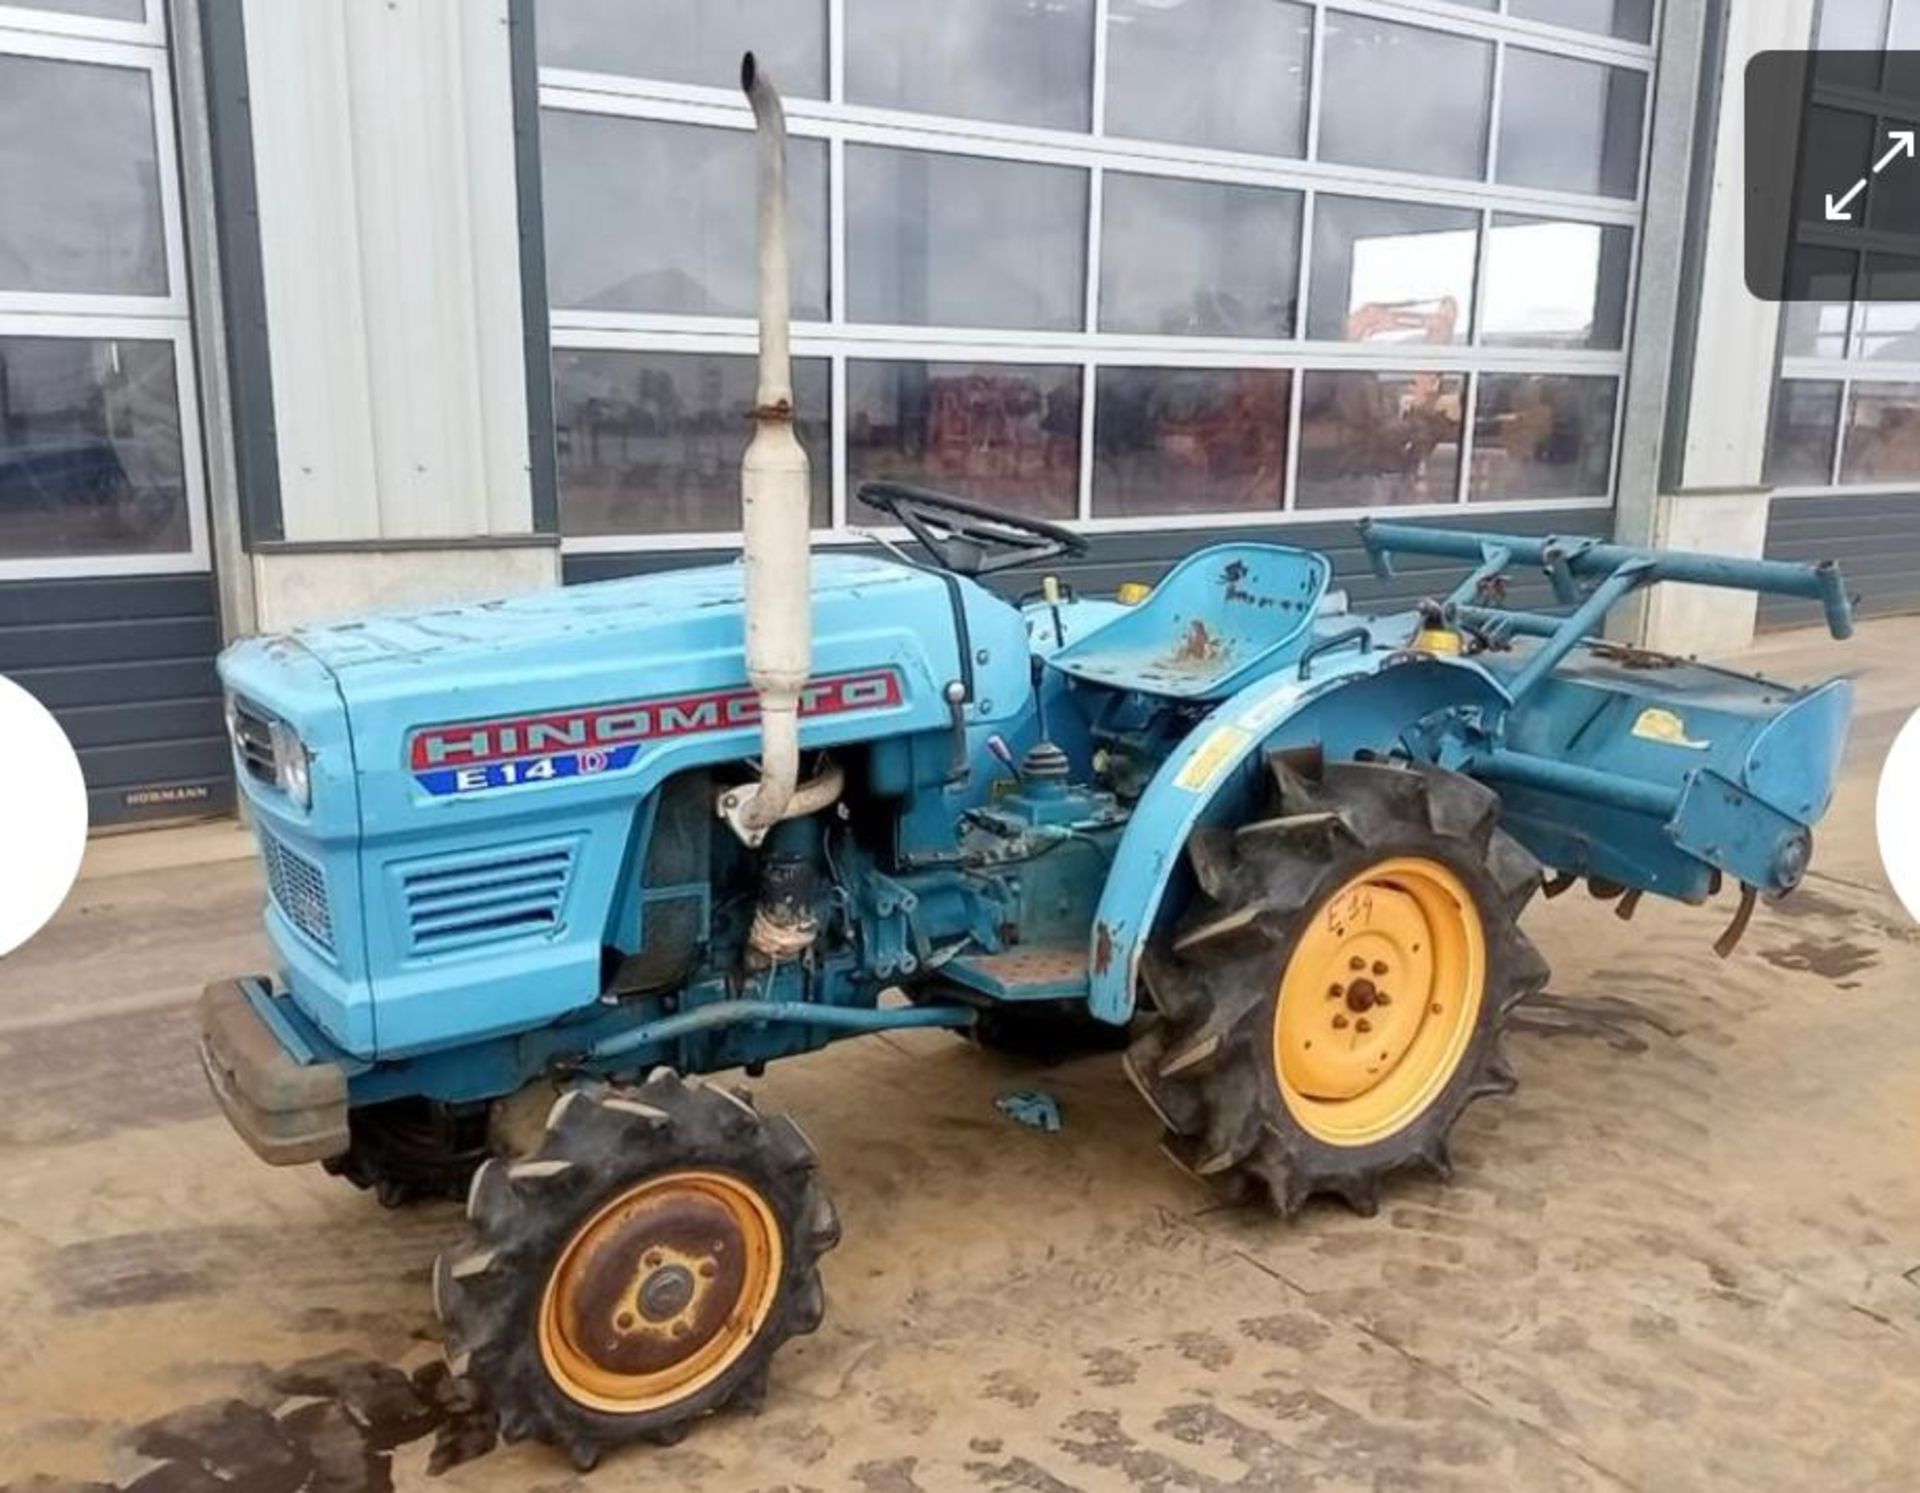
(59, 37)
(1851, 367)
(838, 339)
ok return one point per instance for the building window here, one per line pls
(1541, 436)
(612, 247)
(1630, 20)
(1441, 89)
(1570, 126)
(91, 460)
(1846, 409)
(1224, 74)
(649, 443)
(1392, 271)
(1806, 414)
(1198, 258)
(1556, 284)
(99, 448)
(1015, 61)
(1882, 439)
(961, 241)
(1224, 260)
(1370, 440)
(1004, 433)
(80, 178)
(680, 43)
(1190, 440)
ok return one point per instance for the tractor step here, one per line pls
(1031, 972)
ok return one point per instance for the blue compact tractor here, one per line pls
(536, 865)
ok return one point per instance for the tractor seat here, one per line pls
(1219, 618)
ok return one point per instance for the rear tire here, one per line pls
(1337, 996)
(639, 1269)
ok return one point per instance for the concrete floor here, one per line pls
(1685, 1255)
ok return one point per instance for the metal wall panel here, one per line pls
(383, 143)
(1147, 555)
(1875, 538)
(126, 666)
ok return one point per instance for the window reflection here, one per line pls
(1556, 284)
(1570, 126)
(652, 217)
(1404, 98)
(1007, 434)
(105, 10)
(1806, 421)
(90, 456)
(1630, 20)
(1190, 440)
(1547, 435)
(1226, 74)
(958, 241)
(1190, 258)
(1883, 434)
(1889, 319)
(1391, 272)
(1019, 61)
(1850, 26)
(1816, 323)
(1375, 439)
(682, 43)
(79, 180)
(650, 443)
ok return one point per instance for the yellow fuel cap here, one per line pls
(1132, 593)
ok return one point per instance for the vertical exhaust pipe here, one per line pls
(775, 515)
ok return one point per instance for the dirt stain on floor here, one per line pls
(326, 1425)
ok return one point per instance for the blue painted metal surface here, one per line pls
(518, 870)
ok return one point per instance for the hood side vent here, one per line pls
(479, 900)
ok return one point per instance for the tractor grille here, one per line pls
(470, 902)
(253, 739)
(299, 888)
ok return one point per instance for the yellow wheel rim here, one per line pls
(1379, 1001)
(660, 1291)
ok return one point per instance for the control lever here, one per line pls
(959, 768)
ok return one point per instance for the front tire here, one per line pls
(1337, 996)
(639, 1269)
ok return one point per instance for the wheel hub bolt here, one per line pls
(1356, 963)
(1334, 992)
(1339, 1023)
(1379, 966)
(1381, 998)
(1363, 1025)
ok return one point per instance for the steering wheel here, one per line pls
(969, 538)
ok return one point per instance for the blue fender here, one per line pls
(1352, 702)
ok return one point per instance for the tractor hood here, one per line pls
(479, 708)
(438, 699)
(702, 606)
(538, 727)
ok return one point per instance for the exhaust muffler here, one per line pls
(775, 515)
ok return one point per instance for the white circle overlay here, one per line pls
(1896, 815)
(43, 816)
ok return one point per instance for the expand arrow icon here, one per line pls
(1839, 209)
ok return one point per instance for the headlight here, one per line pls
(291, 769)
